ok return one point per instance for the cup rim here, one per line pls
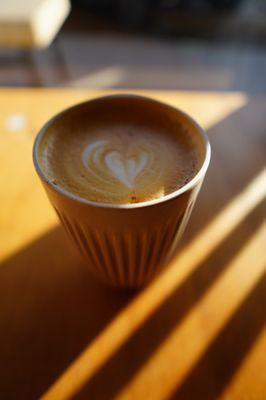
(191, 184)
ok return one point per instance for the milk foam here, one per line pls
(124, 169)
(118, 165)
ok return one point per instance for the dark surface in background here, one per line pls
(173, 45)
(196, 18)
(137, 12)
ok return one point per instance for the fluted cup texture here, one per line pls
(125, 246)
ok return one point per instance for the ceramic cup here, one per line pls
(125, 245)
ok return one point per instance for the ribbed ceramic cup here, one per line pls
(125, 245)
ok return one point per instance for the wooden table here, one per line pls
(197, 332)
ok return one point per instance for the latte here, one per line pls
(119, 155)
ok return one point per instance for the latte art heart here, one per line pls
(124, 168)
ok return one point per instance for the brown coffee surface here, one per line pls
(119, 162)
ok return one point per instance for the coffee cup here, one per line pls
(124, 202)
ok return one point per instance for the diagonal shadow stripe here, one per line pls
(238, 150)
(118, 371)
(144, 305)
(50, 309)
(223, 357)
(173, 360)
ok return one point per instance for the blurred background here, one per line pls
(142, 44)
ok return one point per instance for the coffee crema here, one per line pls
(119, 162)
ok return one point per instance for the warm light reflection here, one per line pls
(103, 78)
(251, 374)
(187, 342)
(25, 212)
(131, 318)
(206, 107)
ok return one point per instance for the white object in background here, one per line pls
(31, 23)
(16, 122)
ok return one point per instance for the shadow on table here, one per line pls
(51, 308)
(237, 142)
(134, 353)
(218, 364)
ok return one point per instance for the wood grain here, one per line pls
(195, 332)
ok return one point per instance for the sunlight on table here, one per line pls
(130, 319)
